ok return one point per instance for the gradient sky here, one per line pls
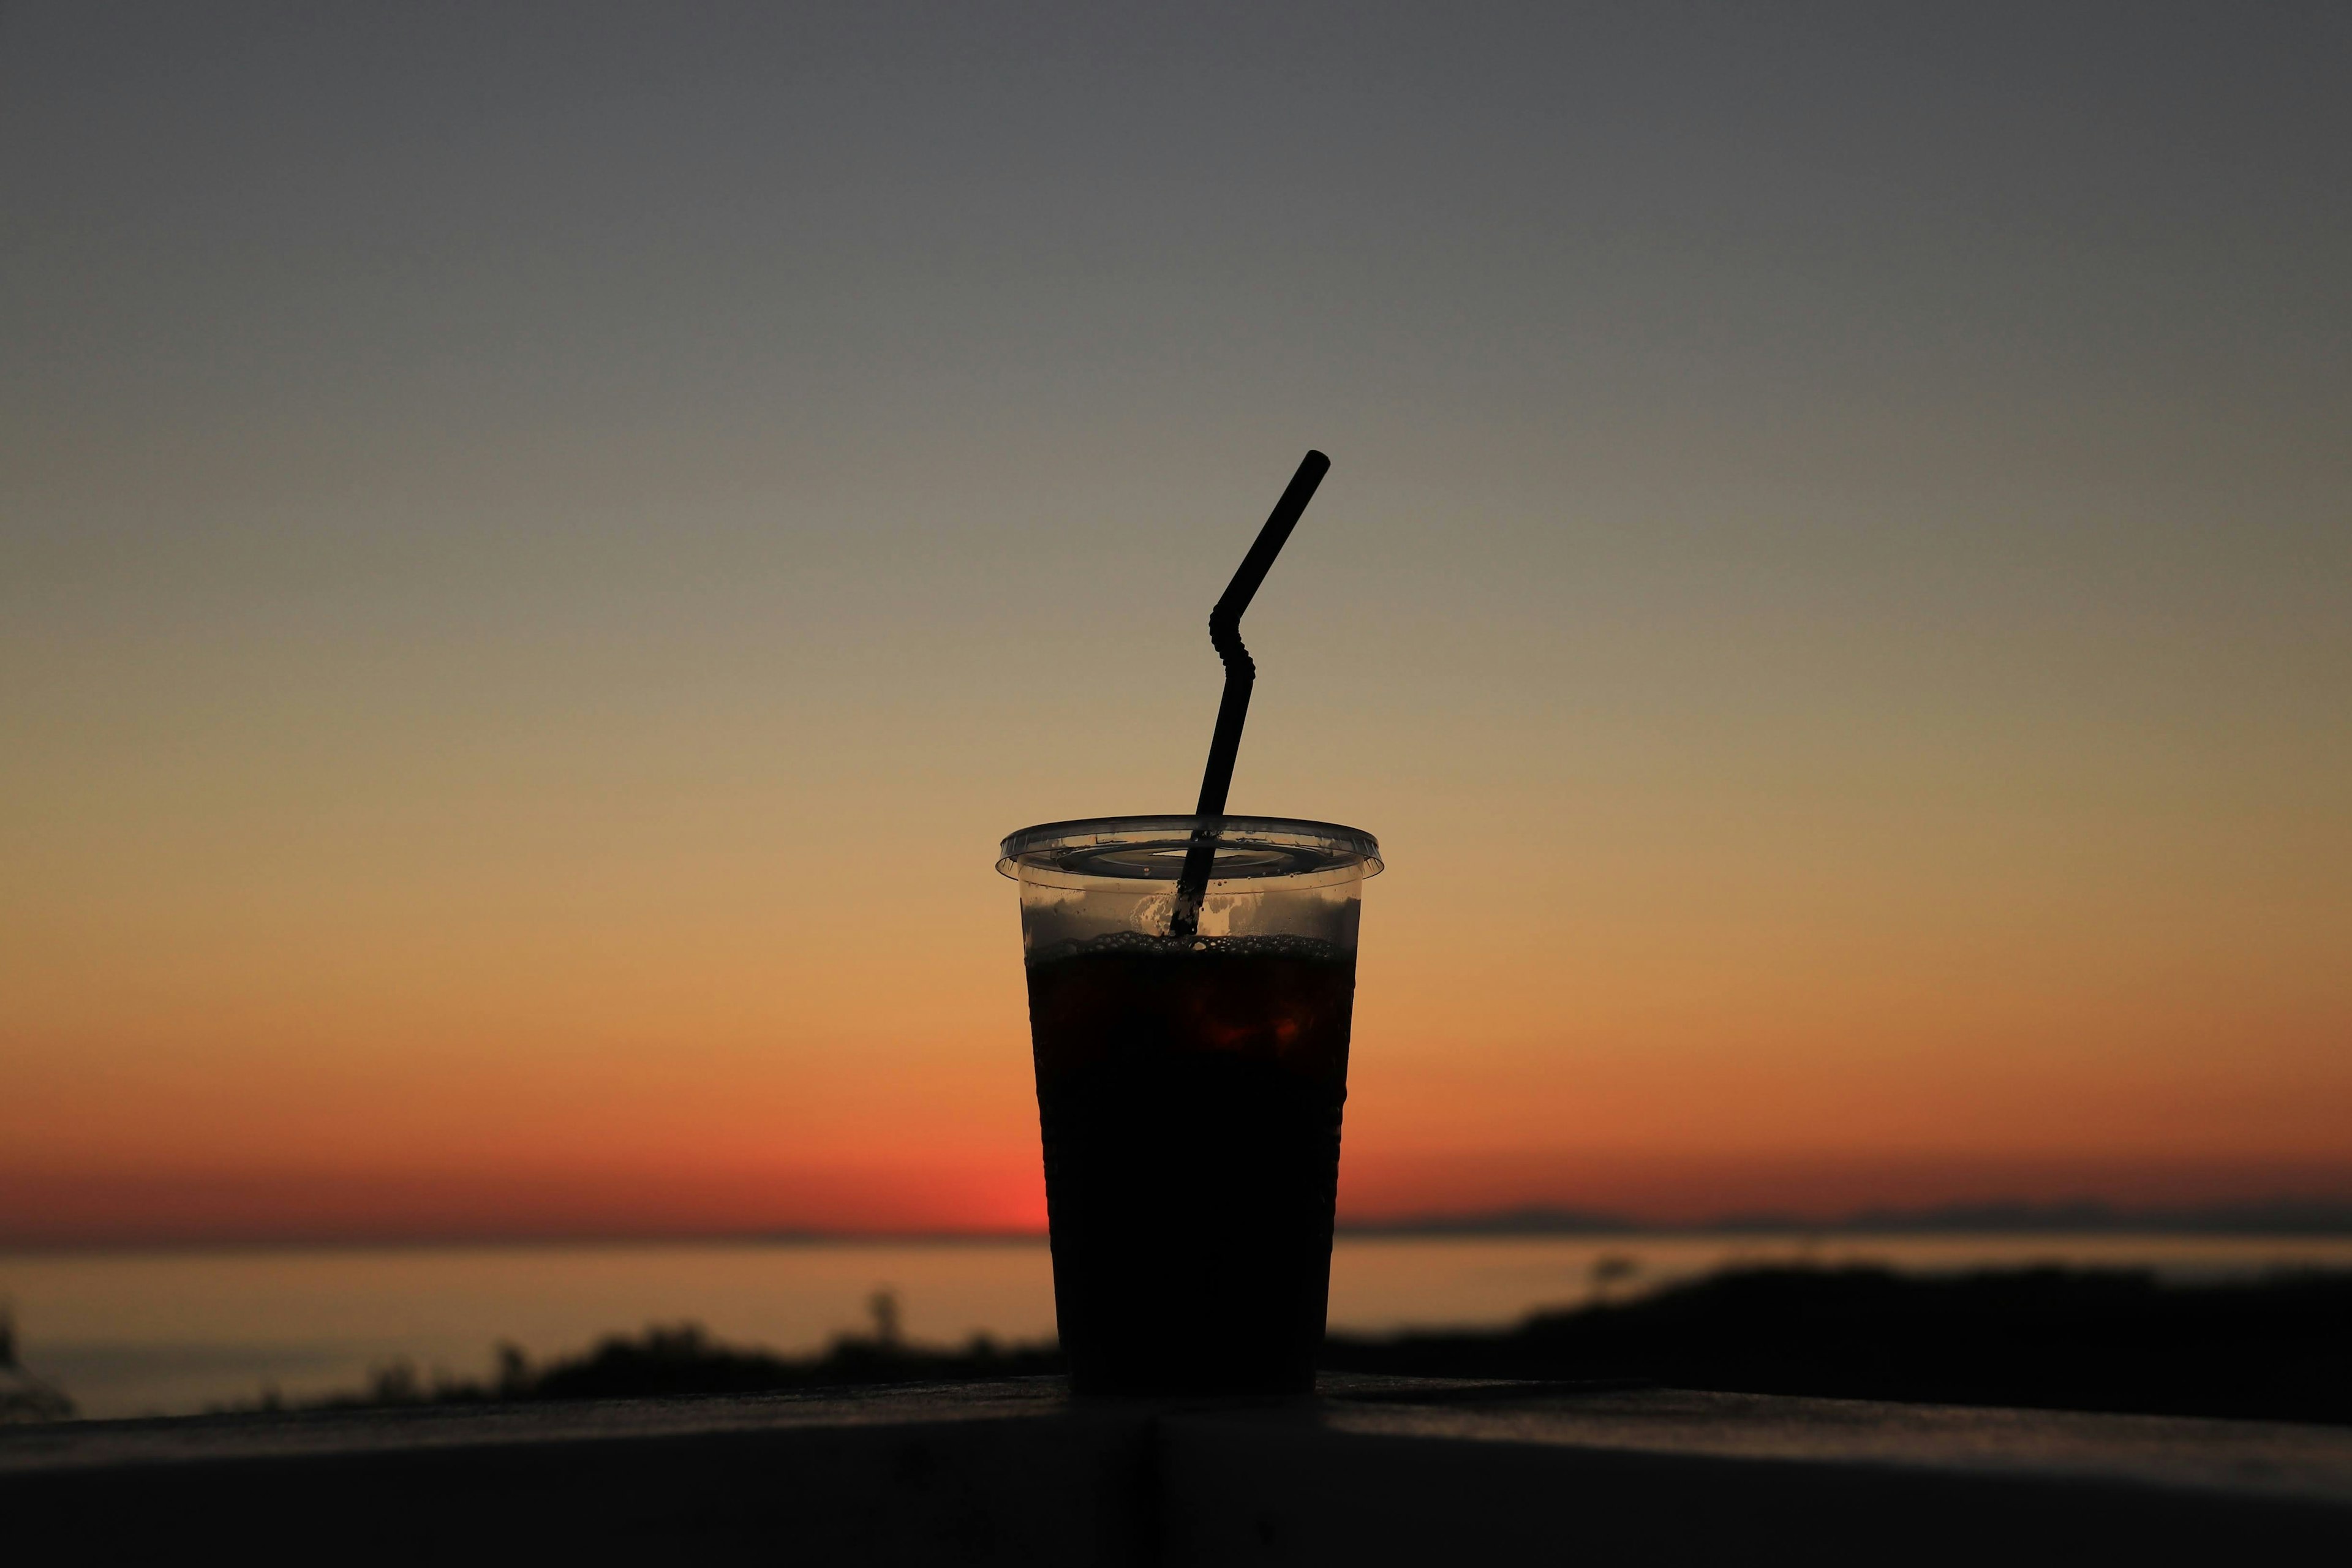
(541, 548)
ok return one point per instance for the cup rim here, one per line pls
(1151, 847)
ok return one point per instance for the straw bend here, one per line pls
(1226, 637)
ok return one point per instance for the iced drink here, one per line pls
(1189, 1091)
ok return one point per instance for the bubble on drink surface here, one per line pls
(1146, 945)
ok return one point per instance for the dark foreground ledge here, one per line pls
(1375, 1470)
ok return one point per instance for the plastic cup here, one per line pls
(1189, 1089)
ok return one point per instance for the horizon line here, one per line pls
(2281, 1218)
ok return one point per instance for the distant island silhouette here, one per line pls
(2279, 1217)
(2277, 1347)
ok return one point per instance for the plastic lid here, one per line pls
(1151, 848)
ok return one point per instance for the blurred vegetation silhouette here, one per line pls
(2278, 1347)
(683, 1359)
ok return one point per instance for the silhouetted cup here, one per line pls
(1189, 1091)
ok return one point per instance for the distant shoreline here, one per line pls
(2281, 1218)
(2284, 1220)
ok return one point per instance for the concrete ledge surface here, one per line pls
(1374, 1470)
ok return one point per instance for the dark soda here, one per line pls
(1190, 1091)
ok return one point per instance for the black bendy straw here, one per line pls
(1241, 673)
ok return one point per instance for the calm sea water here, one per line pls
(167, 1332)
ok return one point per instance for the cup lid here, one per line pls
(1152, 849)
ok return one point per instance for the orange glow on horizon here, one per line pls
(739, 1066)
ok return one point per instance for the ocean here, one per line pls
(170, 1333)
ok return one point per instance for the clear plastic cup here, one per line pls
(1189, 1089)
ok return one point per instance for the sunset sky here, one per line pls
(542, 546)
